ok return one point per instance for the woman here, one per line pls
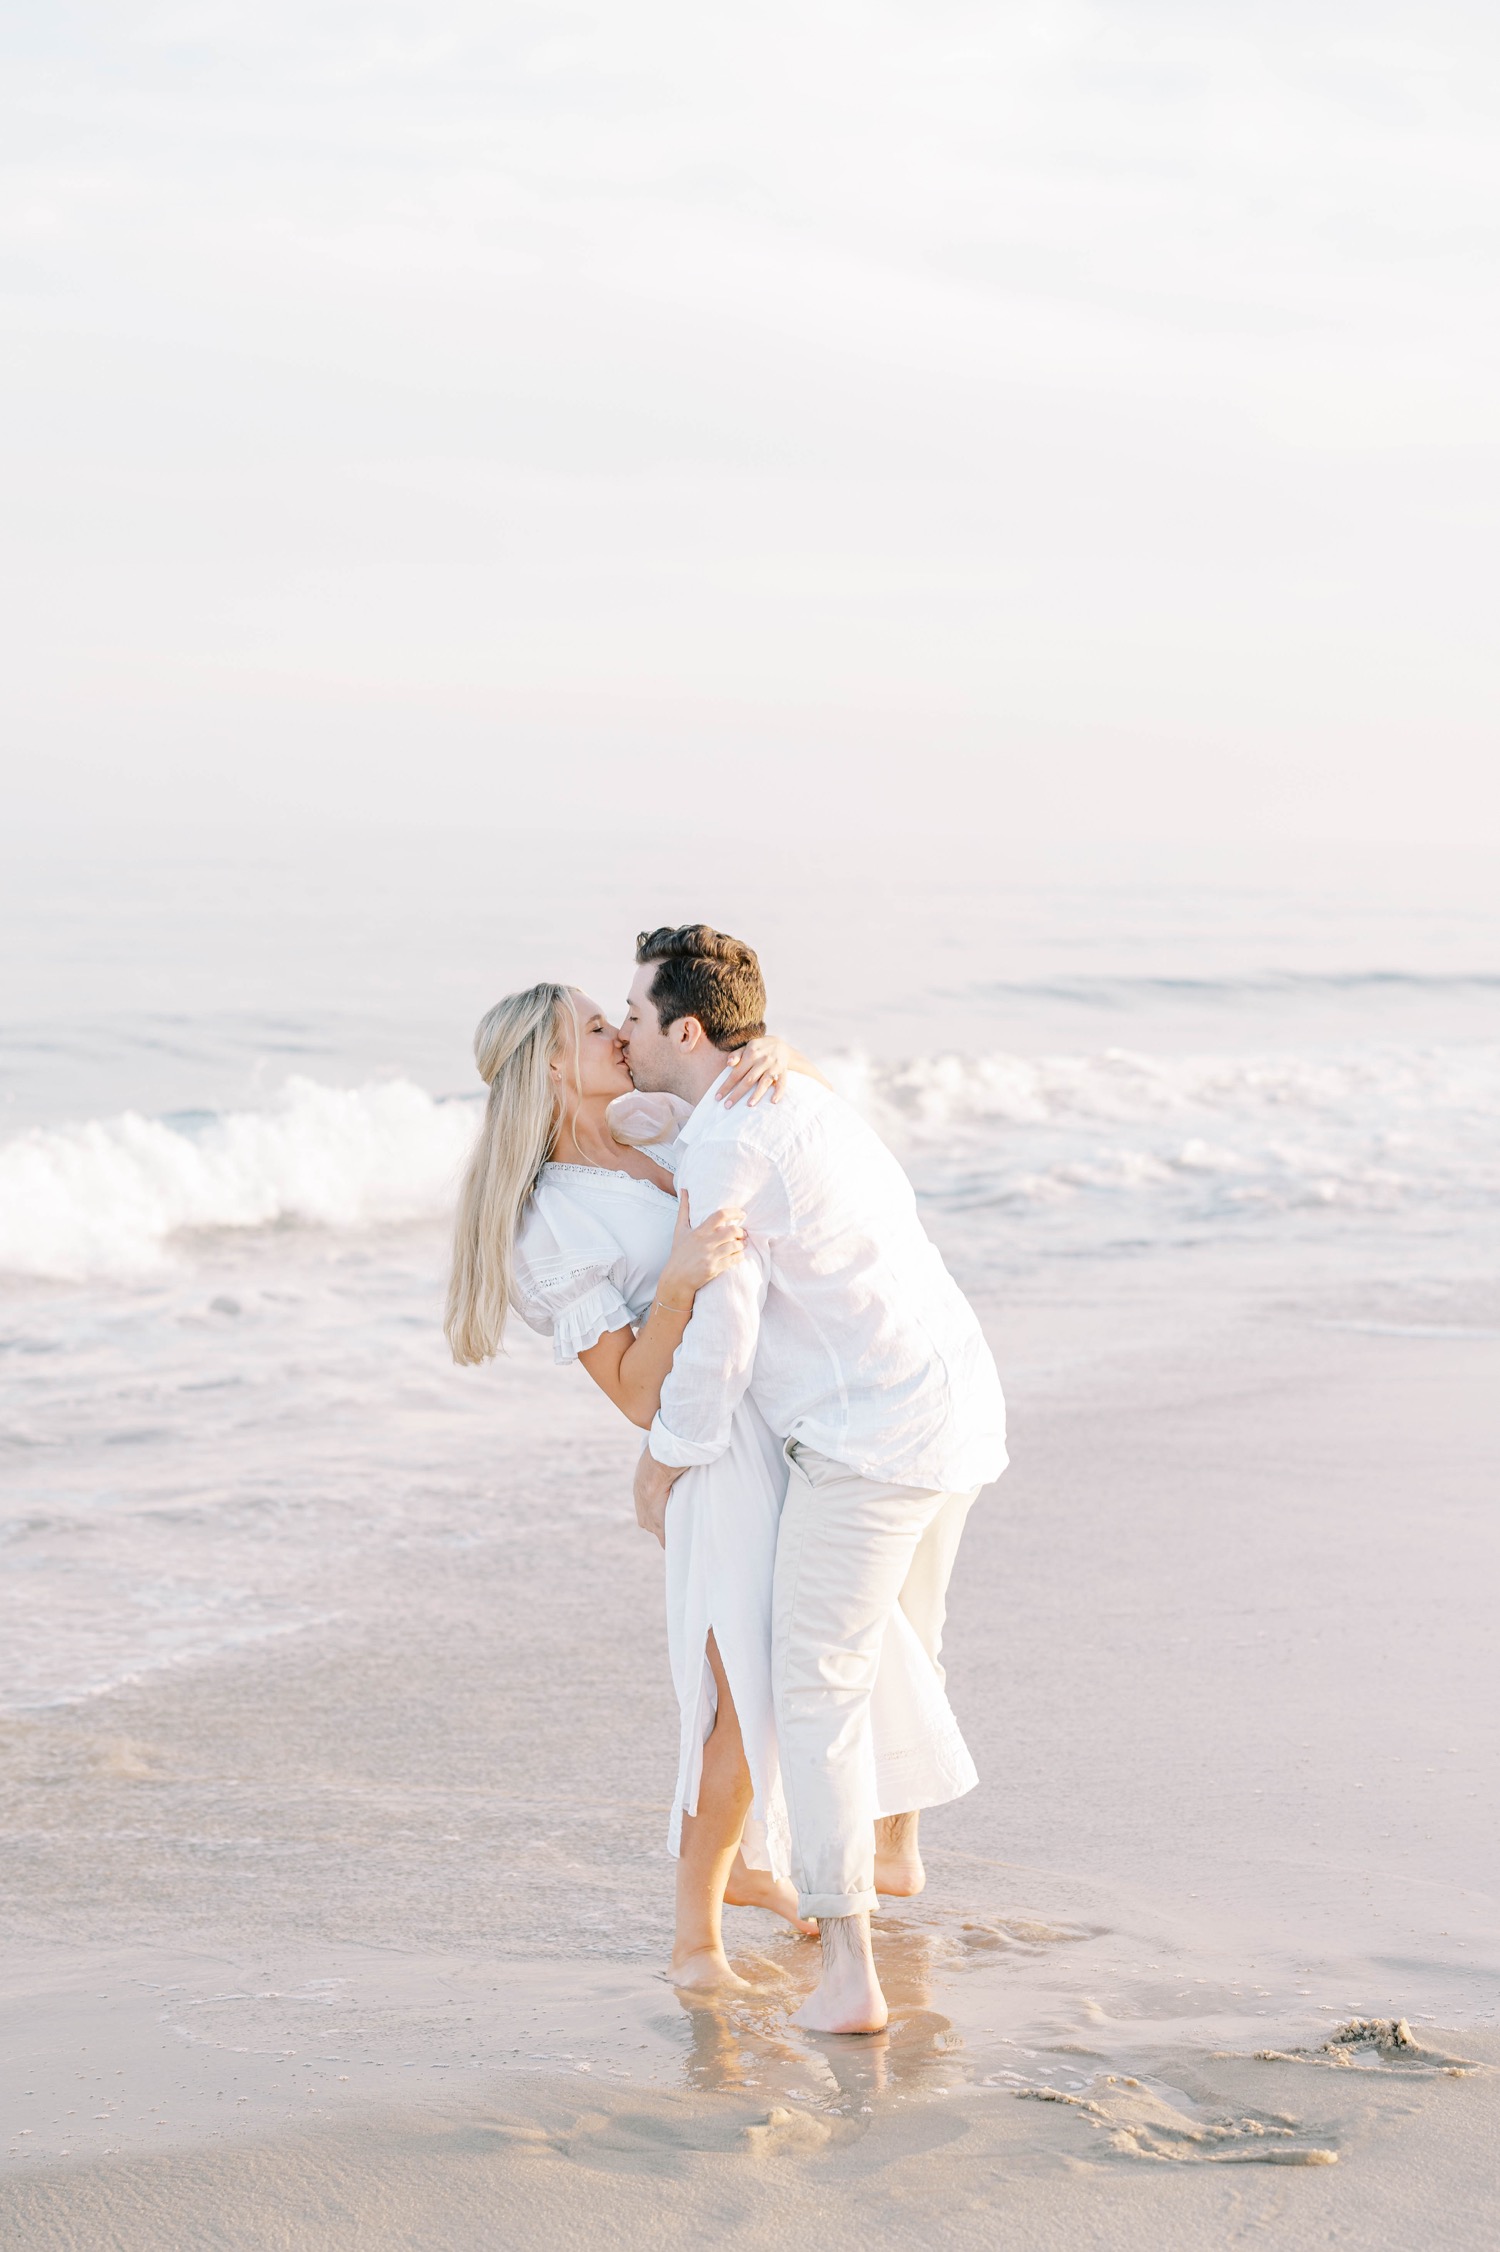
(568, 1214)
(582, 1232)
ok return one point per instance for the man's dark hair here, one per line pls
(705, 974)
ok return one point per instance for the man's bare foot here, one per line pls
(830, 2009)
(847, 1998)
(708, 1972)
(757, 1888)
(899, 1874)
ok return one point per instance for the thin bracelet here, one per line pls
(668, 1306)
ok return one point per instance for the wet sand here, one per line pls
(355, 1937)
(1208, 2151)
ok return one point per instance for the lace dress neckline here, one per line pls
(611, 1173)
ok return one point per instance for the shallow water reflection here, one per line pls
(747, 2042)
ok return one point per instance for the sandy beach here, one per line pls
(355, 1936)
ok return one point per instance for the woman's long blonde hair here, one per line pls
(514, 1044)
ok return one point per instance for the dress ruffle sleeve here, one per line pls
(651, 1123)
(568, 1276)
(583, 1321)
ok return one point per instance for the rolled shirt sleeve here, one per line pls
(713, 1365)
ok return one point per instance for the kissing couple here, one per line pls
(749, 1282)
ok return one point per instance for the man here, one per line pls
(860, 1351)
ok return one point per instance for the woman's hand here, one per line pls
(698, 1254)
(760, 1068)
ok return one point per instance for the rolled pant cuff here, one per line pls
(838, 1903)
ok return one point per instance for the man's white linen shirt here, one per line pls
(840, 1320)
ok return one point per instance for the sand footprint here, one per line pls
(1140, 2124)
(1374, 2044)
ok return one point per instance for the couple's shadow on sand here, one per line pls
(744, 2041)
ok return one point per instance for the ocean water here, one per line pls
(237, 1097)
(333, 1678)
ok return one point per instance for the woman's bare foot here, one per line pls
(757, 1888)
(708, 1972)
(847, 1998)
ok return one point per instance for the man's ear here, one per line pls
(689, 1032)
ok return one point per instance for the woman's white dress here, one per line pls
(589, 1253)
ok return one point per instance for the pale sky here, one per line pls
(1017, 419)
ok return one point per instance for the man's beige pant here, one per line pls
(850, 1553)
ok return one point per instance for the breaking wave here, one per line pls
(106, 1197)
(1152, 1139)
(1195, 1137)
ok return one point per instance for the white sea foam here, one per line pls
(1176, 1136)
(932, 1094)
(106, 1197)
(1193, 1135)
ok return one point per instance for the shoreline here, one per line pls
(1192, 2148)
(1220, 1643)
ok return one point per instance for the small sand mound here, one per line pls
(1373, 2044)
(1002, 1932)
(127, 1761)
(1140, 2124)
(787, 2134)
